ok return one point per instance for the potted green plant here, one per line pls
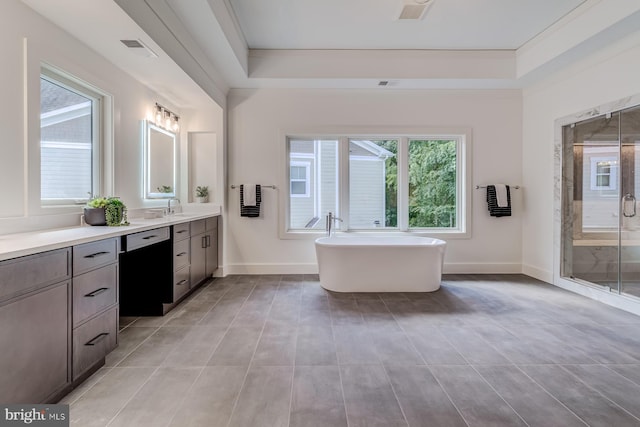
(165, 189)
(109, 211)
(202, 194)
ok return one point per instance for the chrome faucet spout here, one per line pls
(170, 210)
(331, 219)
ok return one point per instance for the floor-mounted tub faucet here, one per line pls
(330, 223)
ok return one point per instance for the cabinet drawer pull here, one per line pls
(181, 231)
(208, 240)
(182, 282)
(153, 236)
(96, 292)
(204, 242)
(182, 254)
(97, 254)
(97, 339)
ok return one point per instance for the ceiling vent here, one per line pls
(139, 48)
(414, 10)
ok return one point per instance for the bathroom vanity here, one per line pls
(62, 291)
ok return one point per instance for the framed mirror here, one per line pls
(160, 175)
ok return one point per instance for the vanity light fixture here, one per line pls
(158, 114)
(166, 118)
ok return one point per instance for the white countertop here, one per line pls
(21, 244)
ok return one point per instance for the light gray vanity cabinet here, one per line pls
(181, 260)
(35, 308)
(95, 303)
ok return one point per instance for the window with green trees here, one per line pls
(432, 183)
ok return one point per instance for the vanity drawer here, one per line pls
(197, 227)
(212, 223)
(93, 340)
(181, 231)
(20, 275)
(181, 254)
(93, 292)
(95, 254)
(181, 282)
(146, 238)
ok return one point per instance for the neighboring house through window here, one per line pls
(300, 179)
(69, 140)
(604, 173)
(600, 189)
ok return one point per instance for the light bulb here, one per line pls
(176, 126)
(167, 121)
(158, 115)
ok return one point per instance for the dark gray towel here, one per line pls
(250, 211)
(492, 202)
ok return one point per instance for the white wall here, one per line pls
(19, 115)
(605, 76)
(259, 118)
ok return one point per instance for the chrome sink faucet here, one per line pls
(172, 210)
(331, 220)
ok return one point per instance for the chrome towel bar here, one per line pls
(517, 187)
(233, 186)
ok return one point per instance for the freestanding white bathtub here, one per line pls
(380, 264)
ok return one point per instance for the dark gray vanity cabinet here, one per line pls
(35, 325)
(204, 249)
(212, 245)
(181, 260)
(95, 304)
(198, 252)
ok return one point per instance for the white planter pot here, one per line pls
(202, 199)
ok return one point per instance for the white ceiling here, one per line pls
(459, 44)
(372, 24)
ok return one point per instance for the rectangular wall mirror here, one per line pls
(160, 174)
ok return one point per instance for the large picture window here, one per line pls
(381, 183)
(69, 140)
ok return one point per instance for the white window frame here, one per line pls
(98, 113)
(463, 136)
(307, 180)
(613, 173)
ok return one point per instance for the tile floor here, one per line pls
(265, 351)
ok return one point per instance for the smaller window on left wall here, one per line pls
(69, 140)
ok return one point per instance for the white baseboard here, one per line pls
(271, 269)
(537, 273)
(449, 268)
(482, 268)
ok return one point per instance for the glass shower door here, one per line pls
(630, 217)
(591, 201)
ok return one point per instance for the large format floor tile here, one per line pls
(272, 350)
